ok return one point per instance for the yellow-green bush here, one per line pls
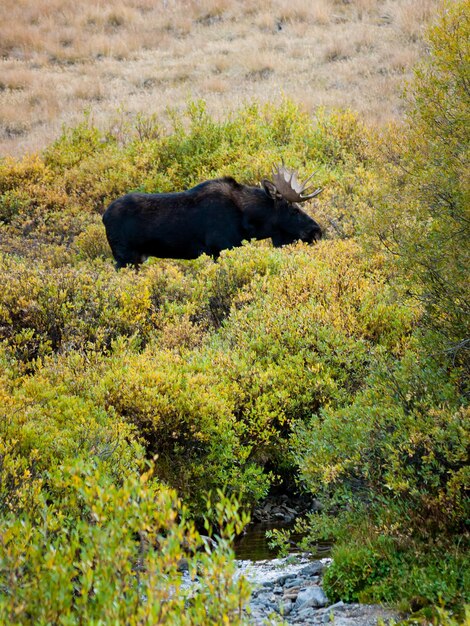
(118, 560)
(304, 337)
(215, 404)
(85, 536)
(186, 414)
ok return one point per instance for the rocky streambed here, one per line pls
(289, 590)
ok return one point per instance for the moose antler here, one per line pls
(288, 186)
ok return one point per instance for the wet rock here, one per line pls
(291, 511)
(283, 508)
(289, 587)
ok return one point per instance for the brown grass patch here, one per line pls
(215, 84)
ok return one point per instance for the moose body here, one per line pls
(213, 216)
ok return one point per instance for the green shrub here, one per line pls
(391, 459)
(376, 569)
(118, 560)
(405, 437)
(393, 466)
(215, 403)
(302, 338)
(85, 536)
(354, 571)
(185, 412)
(422, 208)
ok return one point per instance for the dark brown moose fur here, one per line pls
(211, 217)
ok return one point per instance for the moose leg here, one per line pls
(214, 249)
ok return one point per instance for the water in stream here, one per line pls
(253, 545)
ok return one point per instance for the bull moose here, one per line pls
(211, 217)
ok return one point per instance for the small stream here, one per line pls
(253, 545)
(259, 564)
(290, 588)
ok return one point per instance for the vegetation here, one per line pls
(126, 398)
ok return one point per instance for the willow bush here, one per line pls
(422, 209)
(109, 553)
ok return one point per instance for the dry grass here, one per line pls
(60, 57)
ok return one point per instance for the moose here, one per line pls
(213, 216)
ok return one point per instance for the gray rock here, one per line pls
(257, 605)
(293, 512)
(294, 582)
(363, 615)
(305, 613)
(305, 604)
(311, 597)
(286, 607)
(282, 579)
(291, 594)
(312, 569)
(264, 595)
(336, 605)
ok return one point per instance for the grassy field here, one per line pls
(118, 57)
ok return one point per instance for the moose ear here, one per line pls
(270, 189)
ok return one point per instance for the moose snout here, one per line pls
(312, 234)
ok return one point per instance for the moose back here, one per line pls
(211, 217)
